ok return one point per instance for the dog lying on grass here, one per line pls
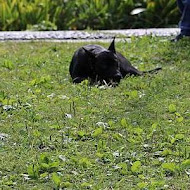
(102, 65)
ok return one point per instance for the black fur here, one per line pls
(100, 64)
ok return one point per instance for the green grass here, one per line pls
(50, 130)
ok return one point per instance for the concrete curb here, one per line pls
(83, 35)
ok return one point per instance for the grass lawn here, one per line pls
(54, 134)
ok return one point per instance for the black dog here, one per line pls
(100, 64)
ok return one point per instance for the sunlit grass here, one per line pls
(55, 134)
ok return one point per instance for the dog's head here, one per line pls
(106, 64)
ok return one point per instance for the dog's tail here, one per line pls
(152, 71)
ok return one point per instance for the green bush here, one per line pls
(21, 14)
(86, 14)
(160, 13)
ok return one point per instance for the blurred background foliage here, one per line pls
(86, 14)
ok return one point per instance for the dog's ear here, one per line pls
(112, 46)
(92, 55)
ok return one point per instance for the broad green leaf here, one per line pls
(154, 126)
(36, 133)
(44, 166)
(81, 133)
(54, 164)
(136, 167)
(123, 165)
(44, 158)
(44, 175)
(56, 179)
(179, 136)
(171, 167)
(155, 183)
(138, 131)
(179, 119)
(33, 171)
(134, 94)
(142, 185)
(172, 108)
(166, 152)
(97, 132)
(124, 122)
(99, 155)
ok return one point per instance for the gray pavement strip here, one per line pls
(71, 36)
